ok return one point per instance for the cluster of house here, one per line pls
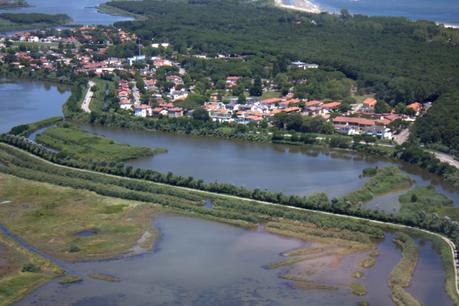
(256, 109)
(366, 121)
(362, 119)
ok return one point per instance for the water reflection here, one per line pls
(24, 102)
(81, 11)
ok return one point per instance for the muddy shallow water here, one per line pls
(198, 262)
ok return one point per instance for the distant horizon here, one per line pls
(443, 12)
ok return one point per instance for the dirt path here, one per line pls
(446, 159)
(87, 99)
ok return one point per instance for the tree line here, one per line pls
(318, 201)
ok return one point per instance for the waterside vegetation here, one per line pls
(80, 145)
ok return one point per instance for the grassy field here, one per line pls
(21, 271)
(85, 146)
(383, 180)
(26, 129)
(73, 224)
(98, 99)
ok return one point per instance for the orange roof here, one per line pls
(383, 121)
(313, 103)
(291, 109)
(291, 101)
(354, 120)
(176, 109)
(271, 100)
(370, 102)
(254, 118)
(416, 106)
(392, 117)
(331, 105)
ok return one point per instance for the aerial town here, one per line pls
(138, 90)
(229, 152)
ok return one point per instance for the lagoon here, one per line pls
(24, 102)
(198, 262)
(81, 11)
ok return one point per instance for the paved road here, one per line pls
(447, 159)
(402, 136)
(87, 98)
(394, 225)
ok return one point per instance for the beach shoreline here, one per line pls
(448, 25)
(300, 5)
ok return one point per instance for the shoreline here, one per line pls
(309, 6)
(300, 5)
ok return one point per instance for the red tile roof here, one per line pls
(331, 105)
(271, 101)
(370, 102)
(354, 120)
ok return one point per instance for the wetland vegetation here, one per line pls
(17, 21)
(382, 180)
(81, 145)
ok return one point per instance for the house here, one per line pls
(159, 111)
(137, 58)
(231, 81)
(159, 62)
(160, 45)
(125, 104)
(175, 112)
(369, 105)
(331, 105)
(301, 65)
(215, 97)
(176, 79)
(416, 107)
(291, 102)
(290, 110)
(352, 125)
(142, 110)
(271, 102)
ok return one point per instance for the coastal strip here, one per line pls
(300, 5)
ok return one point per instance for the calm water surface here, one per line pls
(428, 277)
(445, 11)
(25, 102)
(289, 169)
(198, 262)
(81, 11)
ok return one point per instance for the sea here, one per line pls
(441, 11)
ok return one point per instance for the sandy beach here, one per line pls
(450, 26)
(300, 5)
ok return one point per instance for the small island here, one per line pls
(18, 21)
(10, 4)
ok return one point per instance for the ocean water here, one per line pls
(443, 11)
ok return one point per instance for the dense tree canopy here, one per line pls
(400, 60)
